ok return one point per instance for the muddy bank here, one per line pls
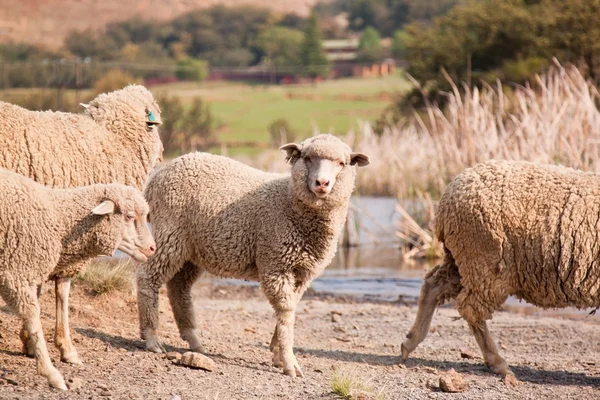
(555, 357)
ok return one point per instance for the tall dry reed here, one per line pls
(555, 120)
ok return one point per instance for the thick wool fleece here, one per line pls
(516, 228)
(42, 232)
(110, 143)
(211, 213)
(512, 228)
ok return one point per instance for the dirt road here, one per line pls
(555, 357)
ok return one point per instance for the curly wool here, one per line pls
(211, 213)
(44, 230)
(517, 228)
(109, 143)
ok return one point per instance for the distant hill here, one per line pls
(47, 22)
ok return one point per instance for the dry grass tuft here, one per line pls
(350, 387)
(104, 277)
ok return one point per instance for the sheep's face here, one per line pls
(321, 162)
(128, 226)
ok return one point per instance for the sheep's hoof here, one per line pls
(511, 380)
(405, 352)
(56, 381)
(154, 346)
(71, 358)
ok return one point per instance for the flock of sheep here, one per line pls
(70, 191)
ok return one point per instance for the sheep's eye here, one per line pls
(342, 164)
(130, 216)
(307, 160)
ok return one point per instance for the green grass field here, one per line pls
(246, 111)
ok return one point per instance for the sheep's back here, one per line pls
(533, 227)
(215, 205)
(28, 249)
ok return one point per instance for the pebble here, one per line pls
(452, 382)
(467, 354)
(197, 360)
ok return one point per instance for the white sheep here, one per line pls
(44, 231)
(210, 213)
(115, 141)
(513, 228)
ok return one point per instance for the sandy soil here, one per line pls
(555, 357)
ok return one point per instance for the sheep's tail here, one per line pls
(446, 276)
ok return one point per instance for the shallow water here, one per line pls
(375, 267)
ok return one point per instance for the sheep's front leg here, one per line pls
(283, 297)
(490, 352)
(62, 334)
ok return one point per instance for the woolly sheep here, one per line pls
(512, 228)
(210, 213)
(44, 231)
(115, 141)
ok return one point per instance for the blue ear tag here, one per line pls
(151, 116)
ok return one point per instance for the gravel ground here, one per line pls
(555, 356)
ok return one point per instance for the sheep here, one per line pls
(211, 213)
(115, 141)
(512, 228)
(44, 231)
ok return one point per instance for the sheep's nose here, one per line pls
(152, 248)
(322, 183)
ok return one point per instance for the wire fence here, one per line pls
(81, 74)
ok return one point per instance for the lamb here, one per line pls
(210, 213)
(44, 231)
(513, 228)
(115, 141)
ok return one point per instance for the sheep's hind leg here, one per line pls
(25, 302)
(441, 283)
(28, 345)
(180, 296)
(274, 347)
(62, 334)
(490, 352)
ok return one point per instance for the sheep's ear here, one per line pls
(106, 207)
(292, 152)
(359, 159)
(84, 105)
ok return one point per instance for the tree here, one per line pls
(575, 32)
(191, 69)
(398, 44)
(369, 46)
(312, 55)
(280, 45)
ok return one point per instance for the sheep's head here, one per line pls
(124, 225)
(130, 112)
(325, 166)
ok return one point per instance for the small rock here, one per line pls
(221, 291)
(173, 355)
(106, 393)
(197, 360)
(467, 354)
(75, 383)
(502, 346)
(175, 397)
(452, 382)
(335, 317)
(251, 330)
